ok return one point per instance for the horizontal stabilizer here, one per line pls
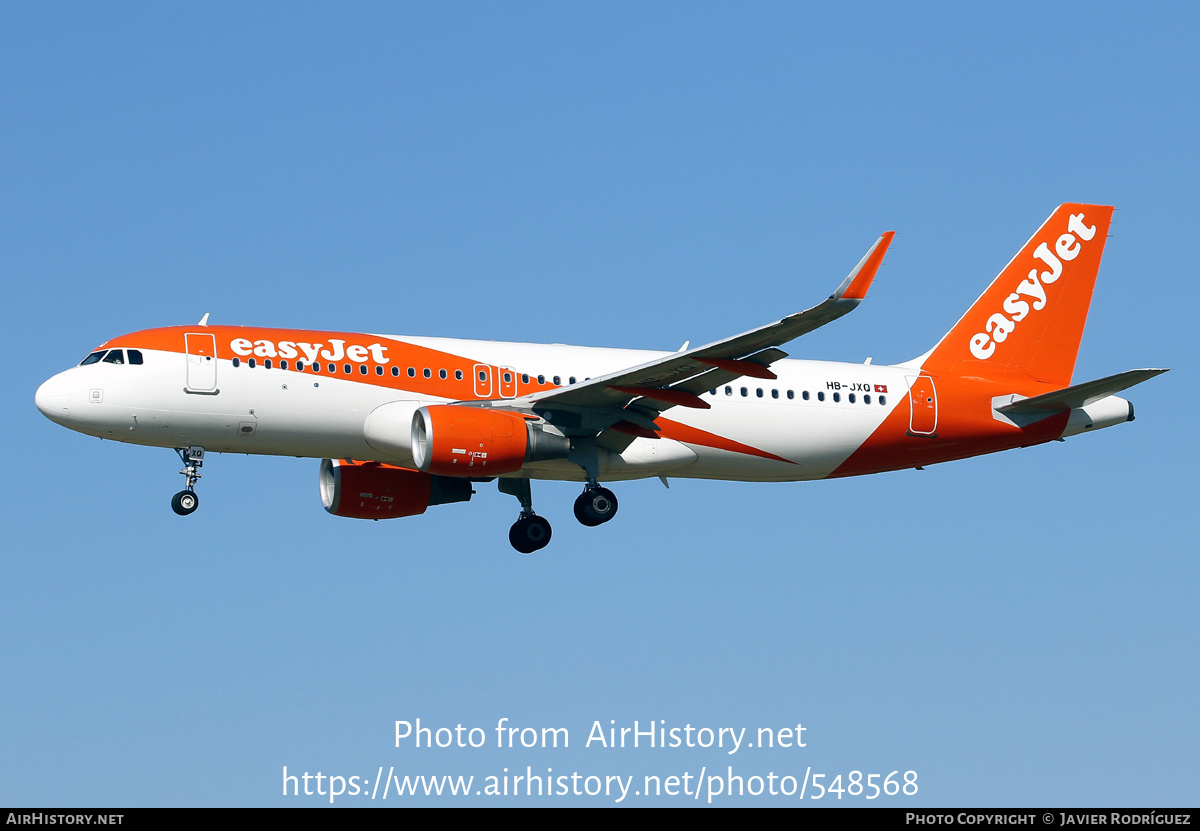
(1079, 395)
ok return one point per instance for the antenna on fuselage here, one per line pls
(203, 320)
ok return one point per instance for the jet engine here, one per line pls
(473, 441)
(370, 490)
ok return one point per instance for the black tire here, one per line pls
(581, 512)
(529, 534)
(595, 507)
(185, 502)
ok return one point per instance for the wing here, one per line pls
(630, 399)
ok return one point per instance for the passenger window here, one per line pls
(804, 395)
(135, 357)
(745, 392)
(866, 399)
(729, 390)
(267, 363)
(541, 379)
(427, 372)
(851, 398)
(482, 375)
(237, 361)
(557, 381)
(332, 368)
(820, 396)
(571, 380)
(316, 367)
(712, 392)
(283, 364)
(442, 374)
(412, 372)
(299, 366)
(93, 358)
(346, 369)
(882, 401)
(395, 372)
(114, 356)
(524, 377)
(458, 375)
(758, 392)
(252, 363)
(837, 398)
(774, 393)
(378, 370)
(362, 369)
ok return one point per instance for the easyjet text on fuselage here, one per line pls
(311, 352)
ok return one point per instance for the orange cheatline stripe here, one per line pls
(399, 353)
(692, 435)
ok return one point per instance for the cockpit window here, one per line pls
(114, 356)
(135, 356)
(93, 358)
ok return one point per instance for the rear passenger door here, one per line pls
(922, 400)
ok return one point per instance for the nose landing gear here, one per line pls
(186, 501)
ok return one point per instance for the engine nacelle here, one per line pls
(370, 490)
(454, 440)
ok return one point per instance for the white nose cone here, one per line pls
(53, 398)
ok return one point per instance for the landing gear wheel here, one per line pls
(185, 502)
(595, 506)
(529, 534)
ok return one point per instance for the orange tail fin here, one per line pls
(1029, 322)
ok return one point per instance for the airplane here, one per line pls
(405, 423)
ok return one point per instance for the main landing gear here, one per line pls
(186, 501)
(595, 506)
(530, 532)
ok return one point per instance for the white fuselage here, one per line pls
(795, 421)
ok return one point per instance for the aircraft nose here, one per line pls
(53, 398)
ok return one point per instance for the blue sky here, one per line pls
(1020, 629)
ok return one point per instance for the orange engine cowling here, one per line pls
(370, 490)
(454, 440)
